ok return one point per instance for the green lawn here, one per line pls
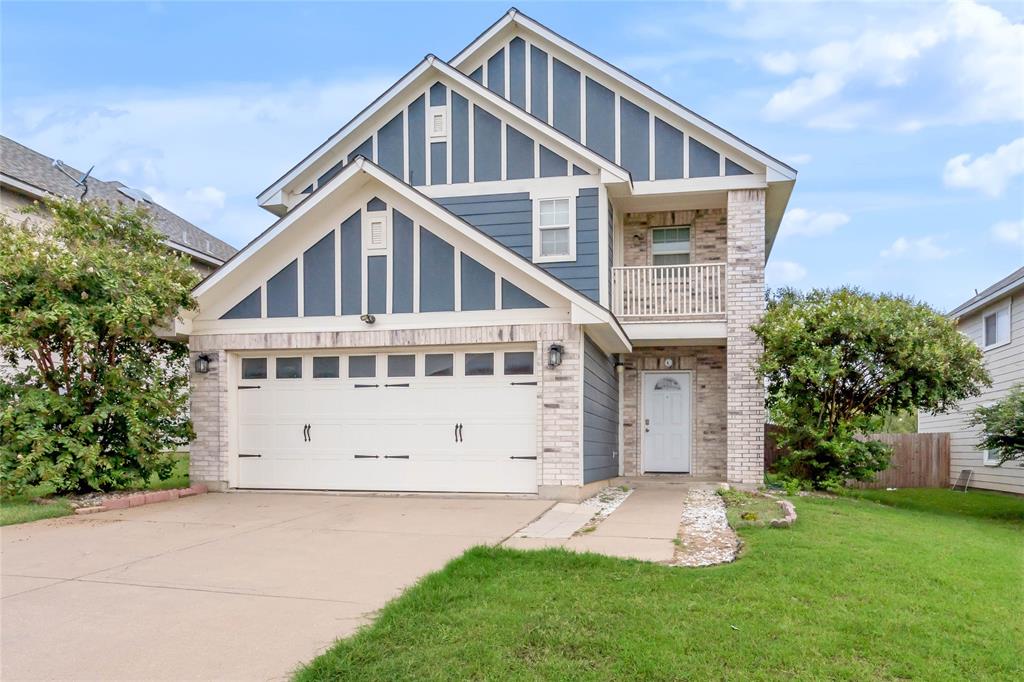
(24, 508)
(977, 503)
(854, 591)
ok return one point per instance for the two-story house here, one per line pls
(521, 270)
(993, 319)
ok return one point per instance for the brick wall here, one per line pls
(707, 234)
(744, 306)
(559, 395)
(708, 446)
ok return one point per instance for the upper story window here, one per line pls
(670, 245)
(554, 233)
(995, 327)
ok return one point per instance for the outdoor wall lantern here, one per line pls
(555, 355)
(202, 364)
(368, 318)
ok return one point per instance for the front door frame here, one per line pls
(641, 417)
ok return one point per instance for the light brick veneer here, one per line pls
(707, 234)
(559, 416)
(708, 447)
(744, 307)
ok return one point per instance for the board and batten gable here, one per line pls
(600, 414)
(1005, 364)
(620, 124)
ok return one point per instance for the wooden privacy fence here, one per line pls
(919, 460)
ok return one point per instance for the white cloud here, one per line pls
(204, 152)
(798, 159)
(989, 173)
(1009, 231)
(978, 53)
(922, 249)
(801, 221)
(784, 272)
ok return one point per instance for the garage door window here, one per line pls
(479, 364)
(254, 368)
(325, 368)
(439, 364)
(288, 368)
(401, 365)
(362, 366)
(519, 363)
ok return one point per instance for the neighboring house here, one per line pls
(519, 271)
(994, 319)
(27, 176)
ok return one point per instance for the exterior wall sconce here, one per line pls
(555, 355)
(620, 367)
(203, 364)
(368, 318)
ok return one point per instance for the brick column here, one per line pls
(208, 453)
(744, 306)
(560, 419)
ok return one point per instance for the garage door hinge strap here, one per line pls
(396, 456)
(514, 457)
(246, 388)
(244, 455)
(367, 456)
(367, 385)
(396, 385)
(524, 383)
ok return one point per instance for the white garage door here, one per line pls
(435, 420)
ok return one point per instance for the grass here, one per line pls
(853, 591)
(982, 504)
(25, 508)
(743, 509)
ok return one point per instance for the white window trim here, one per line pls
(1009, 324)
(689, 243)
(537, 258)
(988, 459)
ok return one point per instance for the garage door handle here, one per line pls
(367, 456)
(459, 430)
(243, 455)
(396, 456)
(514, 457)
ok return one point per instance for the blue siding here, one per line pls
(496, 73)
(376, 204)
(704, 161)
(318, 278)
(538, 83)
(517, 72)
(438, 95)
(460, 138)
(377, 284)
(668, 151)
(283, 292)
(566, 92)
(437, 273)
(438, 163)
(401, 266)
(478, 75)
(390, 155)
(601, 119)
(513, 298)
(733, 168)
(486, 146)
(249, 307)
(331, 172)
(551, 164)
(364, 150)
(600, 414)
(518, 155)
(634, 151)
(351, 265)
(417, 142)
(508, 218)
(477, 285)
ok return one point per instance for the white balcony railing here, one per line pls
(662, 291)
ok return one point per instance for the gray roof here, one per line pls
(1004, 286)
(32, 168)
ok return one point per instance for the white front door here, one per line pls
(667, 422)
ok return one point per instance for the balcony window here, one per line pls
(670, 245)
(554, 235)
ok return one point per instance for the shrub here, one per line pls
(1002, 426)
(836, 362)
(96, 398)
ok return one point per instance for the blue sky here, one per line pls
(905, 120)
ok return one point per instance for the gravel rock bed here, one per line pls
(705, 537)
(606, 501)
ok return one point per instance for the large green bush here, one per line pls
(837, 362)
(95, 399)
(1002, 426)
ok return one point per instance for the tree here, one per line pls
(836, 362)
(1002, 425)
(95, 399)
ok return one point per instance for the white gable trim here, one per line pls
(583, 309)
(778, 171)
(609, 171)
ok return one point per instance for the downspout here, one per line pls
(620, 371)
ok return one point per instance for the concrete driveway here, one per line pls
(222, 586)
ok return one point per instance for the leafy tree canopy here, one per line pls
(836, 362)
(1002, 426)
(95, 399)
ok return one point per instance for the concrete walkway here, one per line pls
(222, 586)
(643, 527)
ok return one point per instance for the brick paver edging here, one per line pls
(139, 499)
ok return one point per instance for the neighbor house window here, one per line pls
(554, 237)
(990, 457)
(995, 327)
(670, 245)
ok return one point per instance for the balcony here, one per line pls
(666, 293)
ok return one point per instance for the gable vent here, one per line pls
(377, 230)
(438, 123)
